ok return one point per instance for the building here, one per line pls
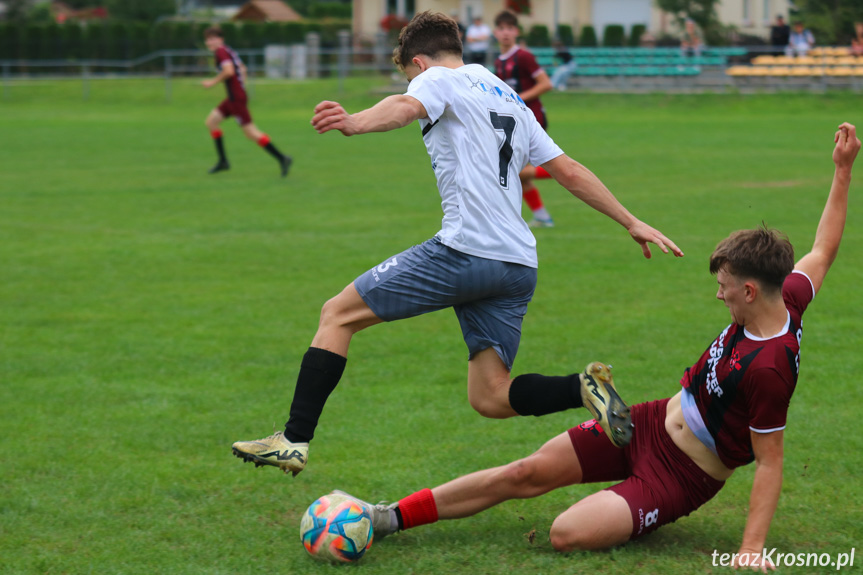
(266, 11)
(751, 17)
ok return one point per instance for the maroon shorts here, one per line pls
(660, 482)
(237, 108)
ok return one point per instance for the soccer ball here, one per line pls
(336, 528)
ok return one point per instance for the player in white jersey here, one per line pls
(482, 262)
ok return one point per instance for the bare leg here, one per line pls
(342, 317)
(598, 521)
(252, 132)
(488, 384)
(554, 465)
(214, 119)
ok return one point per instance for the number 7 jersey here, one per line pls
(479, 135)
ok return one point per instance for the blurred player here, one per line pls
(483, 261)
(731, 411)
(519, 68)
(232, 72)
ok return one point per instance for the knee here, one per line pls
(330, 313)
(521, 475)
(597, 527)
(568, 538)
(524, 479)
(559, 540)
(492, 403)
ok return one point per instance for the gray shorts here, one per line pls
(489, 297)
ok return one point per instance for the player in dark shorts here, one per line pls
(232, 72)
(520, 70)
(731, 410)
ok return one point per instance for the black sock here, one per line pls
(274, 151)
(535, 394)
(220, 147)
(400, 519)
(320, 372)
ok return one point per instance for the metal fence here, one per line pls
(307, 60)
(312, 60)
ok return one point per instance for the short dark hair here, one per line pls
(213, 32)
(506, 18)
(761, 254)
(431, 34)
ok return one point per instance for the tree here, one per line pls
(17, 10)
(702, 12)
(831, 21)
(145, 10)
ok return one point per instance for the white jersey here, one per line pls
(480, 135)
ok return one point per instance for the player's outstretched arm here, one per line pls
(391, 113)
(766, 488)
(817, 262)
(584, 185)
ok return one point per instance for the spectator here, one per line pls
(461, 29)
(780, 35)
(857, 40)
(692, 41)
(800, 41)
(477, 36)
(565, 68)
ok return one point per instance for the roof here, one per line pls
(267, 11)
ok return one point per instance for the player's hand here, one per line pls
(753, 560)
(847, 146)
(331, 116)
(209, 83)
(645, 235)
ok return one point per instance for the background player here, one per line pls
(232, 72)
(519, 68)
(482, 263)
(732, 410)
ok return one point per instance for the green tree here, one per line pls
(565, 35)
(831, 21)
(538, 36)
(17, 10)
(703, 12)
(588, 38)
(146, 10)
(614, 35)
(635, 35)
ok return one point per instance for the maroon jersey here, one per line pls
(234, 84)
(519, 69)
(744, 383)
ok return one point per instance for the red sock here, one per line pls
(533, 199)
(541, 174)
(216, 134)
(263, 140)
(418, 509)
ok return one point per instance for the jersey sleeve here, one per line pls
(542, 147)
(768, 399)
(222, 55)
(431, 90)
(798, 291)
(528, 63)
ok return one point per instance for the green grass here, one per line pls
(151, 314)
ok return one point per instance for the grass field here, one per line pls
(150, 315)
